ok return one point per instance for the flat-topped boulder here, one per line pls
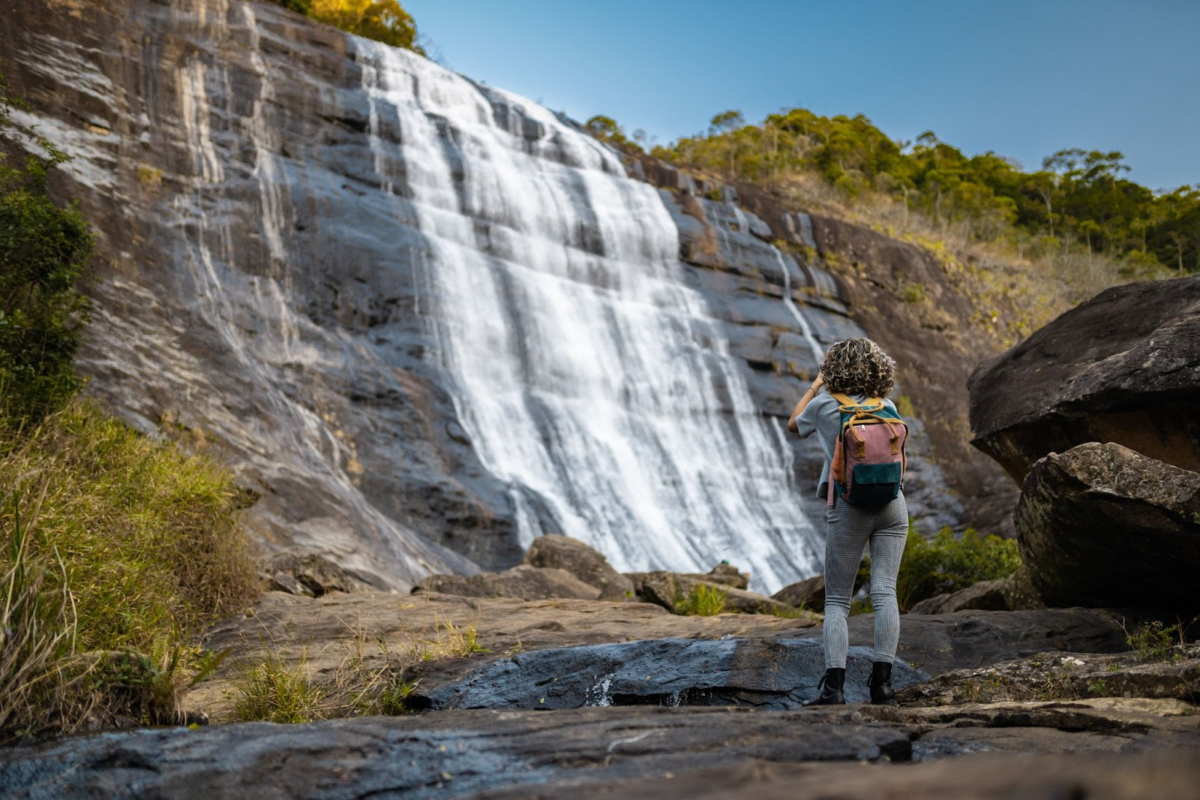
(586, 563)
(1123, 367)
(522, 582)
(1102, 525)
(669, 589)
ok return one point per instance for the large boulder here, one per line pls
(522, 582)
(1101, 525)
(809, 593)
(562, 552)
(1014, 593)
(1123, 367)
(309, 574)
(668, 588)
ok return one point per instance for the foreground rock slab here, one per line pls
(1123, 367)
(321, 634)
(625, 751)
(1169, 776)
(1102, 525)
(433, 756)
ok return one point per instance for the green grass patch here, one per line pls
(947, 563)
(702, 601)
(275, 692)
(118, 547)
(787, 612)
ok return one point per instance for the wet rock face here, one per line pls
(758, 292)
(779, 674)
(1123, 367)
(1102, 525)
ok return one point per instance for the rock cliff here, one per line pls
(427, 320)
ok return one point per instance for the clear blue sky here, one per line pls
(1018, 77)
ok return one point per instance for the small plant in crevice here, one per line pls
(449, 641)
(273, 691)
(1152, 641)
(795, 612)
(703, 600)
(862, 606)
(393, 700)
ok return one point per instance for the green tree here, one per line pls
(44, 250)
(301, 6)
(382, 20)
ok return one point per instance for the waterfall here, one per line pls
(805, 329)
(587, 375)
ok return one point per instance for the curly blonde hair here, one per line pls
(858, 366)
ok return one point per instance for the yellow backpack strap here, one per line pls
(871, 404)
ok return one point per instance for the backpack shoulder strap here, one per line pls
(844, 401)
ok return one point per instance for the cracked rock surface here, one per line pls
(597, 750)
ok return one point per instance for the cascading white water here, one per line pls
(586, 374)
(806, 329)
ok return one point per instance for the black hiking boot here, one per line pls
(882, 693)
(831, 689)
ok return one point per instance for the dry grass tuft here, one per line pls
(119, 546)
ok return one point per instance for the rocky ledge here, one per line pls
(639, 751)
(574, 697)
(422, 636)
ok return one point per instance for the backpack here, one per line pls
(868, 458)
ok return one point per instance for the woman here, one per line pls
(860, 369)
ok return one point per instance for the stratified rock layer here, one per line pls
(1123, 367)
(1101, 525)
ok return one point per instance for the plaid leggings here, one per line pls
(850, 529)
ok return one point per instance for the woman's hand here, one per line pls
(805, 400)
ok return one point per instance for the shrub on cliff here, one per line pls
(117, 547)
(44, 249)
